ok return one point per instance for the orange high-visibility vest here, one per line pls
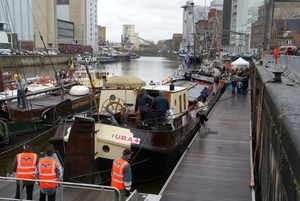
(118, 173)
(26, 165)
(47, 171)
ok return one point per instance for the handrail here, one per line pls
(101, 188)
(134, 193)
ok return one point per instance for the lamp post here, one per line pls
(194, 34)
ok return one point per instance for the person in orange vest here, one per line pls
(121, 176)
(48, 169)
(24, 166)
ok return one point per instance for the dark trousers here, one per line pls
(233, 90)
(159, 118)
(244, 90)
(202, 118)
(21, 95)
(144, 116)
(50, 197)
(29, 191)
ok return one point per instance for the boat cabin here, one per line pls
(98, 78)
(121, 101)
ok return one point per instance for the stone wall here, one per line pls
(30, 60)
(275, 125)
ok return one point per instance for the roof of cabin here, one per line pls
(163, 88)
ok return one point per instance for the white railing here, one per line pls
(293, 62)
(102, 189)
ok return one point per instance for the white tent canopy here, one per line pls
(240, 62)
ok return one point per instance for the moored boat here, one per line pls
(45, 106)
(95, 142)
(98, 78)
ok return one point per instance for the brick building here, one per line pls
(285, 31)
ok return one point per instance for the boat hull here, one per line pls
(163, 146)
(148, 163)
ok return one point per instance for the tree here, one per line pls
(160, 42)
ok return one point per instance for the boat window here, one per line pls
(180, 103)
(83, 75)
(184, 101)
(76, 75)
(97, 75)
(112, 97)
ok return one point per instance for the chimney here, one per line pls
(285, 26)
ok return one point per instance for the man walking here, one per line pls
(201, 112)
(160, 105)
(121, 176)
(48, 169)
(143, 102)
(24, 166)
(22, 88)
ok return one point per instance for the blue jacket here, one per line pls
(204, 93)
(160, 104)
(233, 83)
(143, 101)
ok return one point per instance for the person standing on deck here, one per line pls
(121, 176)
(22, 89)
(204, 95)
(48, 169)
(160, 105)
(143, 102)
(58, 77)
(24, 166)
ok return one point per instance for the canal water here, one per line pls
(146, 68)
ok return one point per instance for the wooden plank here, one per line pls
(217, 166)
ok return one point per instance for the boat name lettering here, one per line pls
(126, 138)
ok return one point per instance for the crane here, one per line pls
(125, 41)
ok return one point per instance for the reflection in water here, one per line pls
(146, 68)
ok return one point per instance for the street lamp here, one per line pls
(194, 33)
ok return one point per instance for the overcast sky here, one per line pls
(153, 19)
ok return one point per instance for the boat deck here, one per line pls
(217, 164)
(45, 101)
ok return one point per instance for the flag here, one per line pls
(188, 61)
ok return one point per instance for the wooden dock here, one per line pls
(217, 164)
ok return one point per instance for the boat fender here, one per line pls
(49, 84)
(79, 90)
(66, 137)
